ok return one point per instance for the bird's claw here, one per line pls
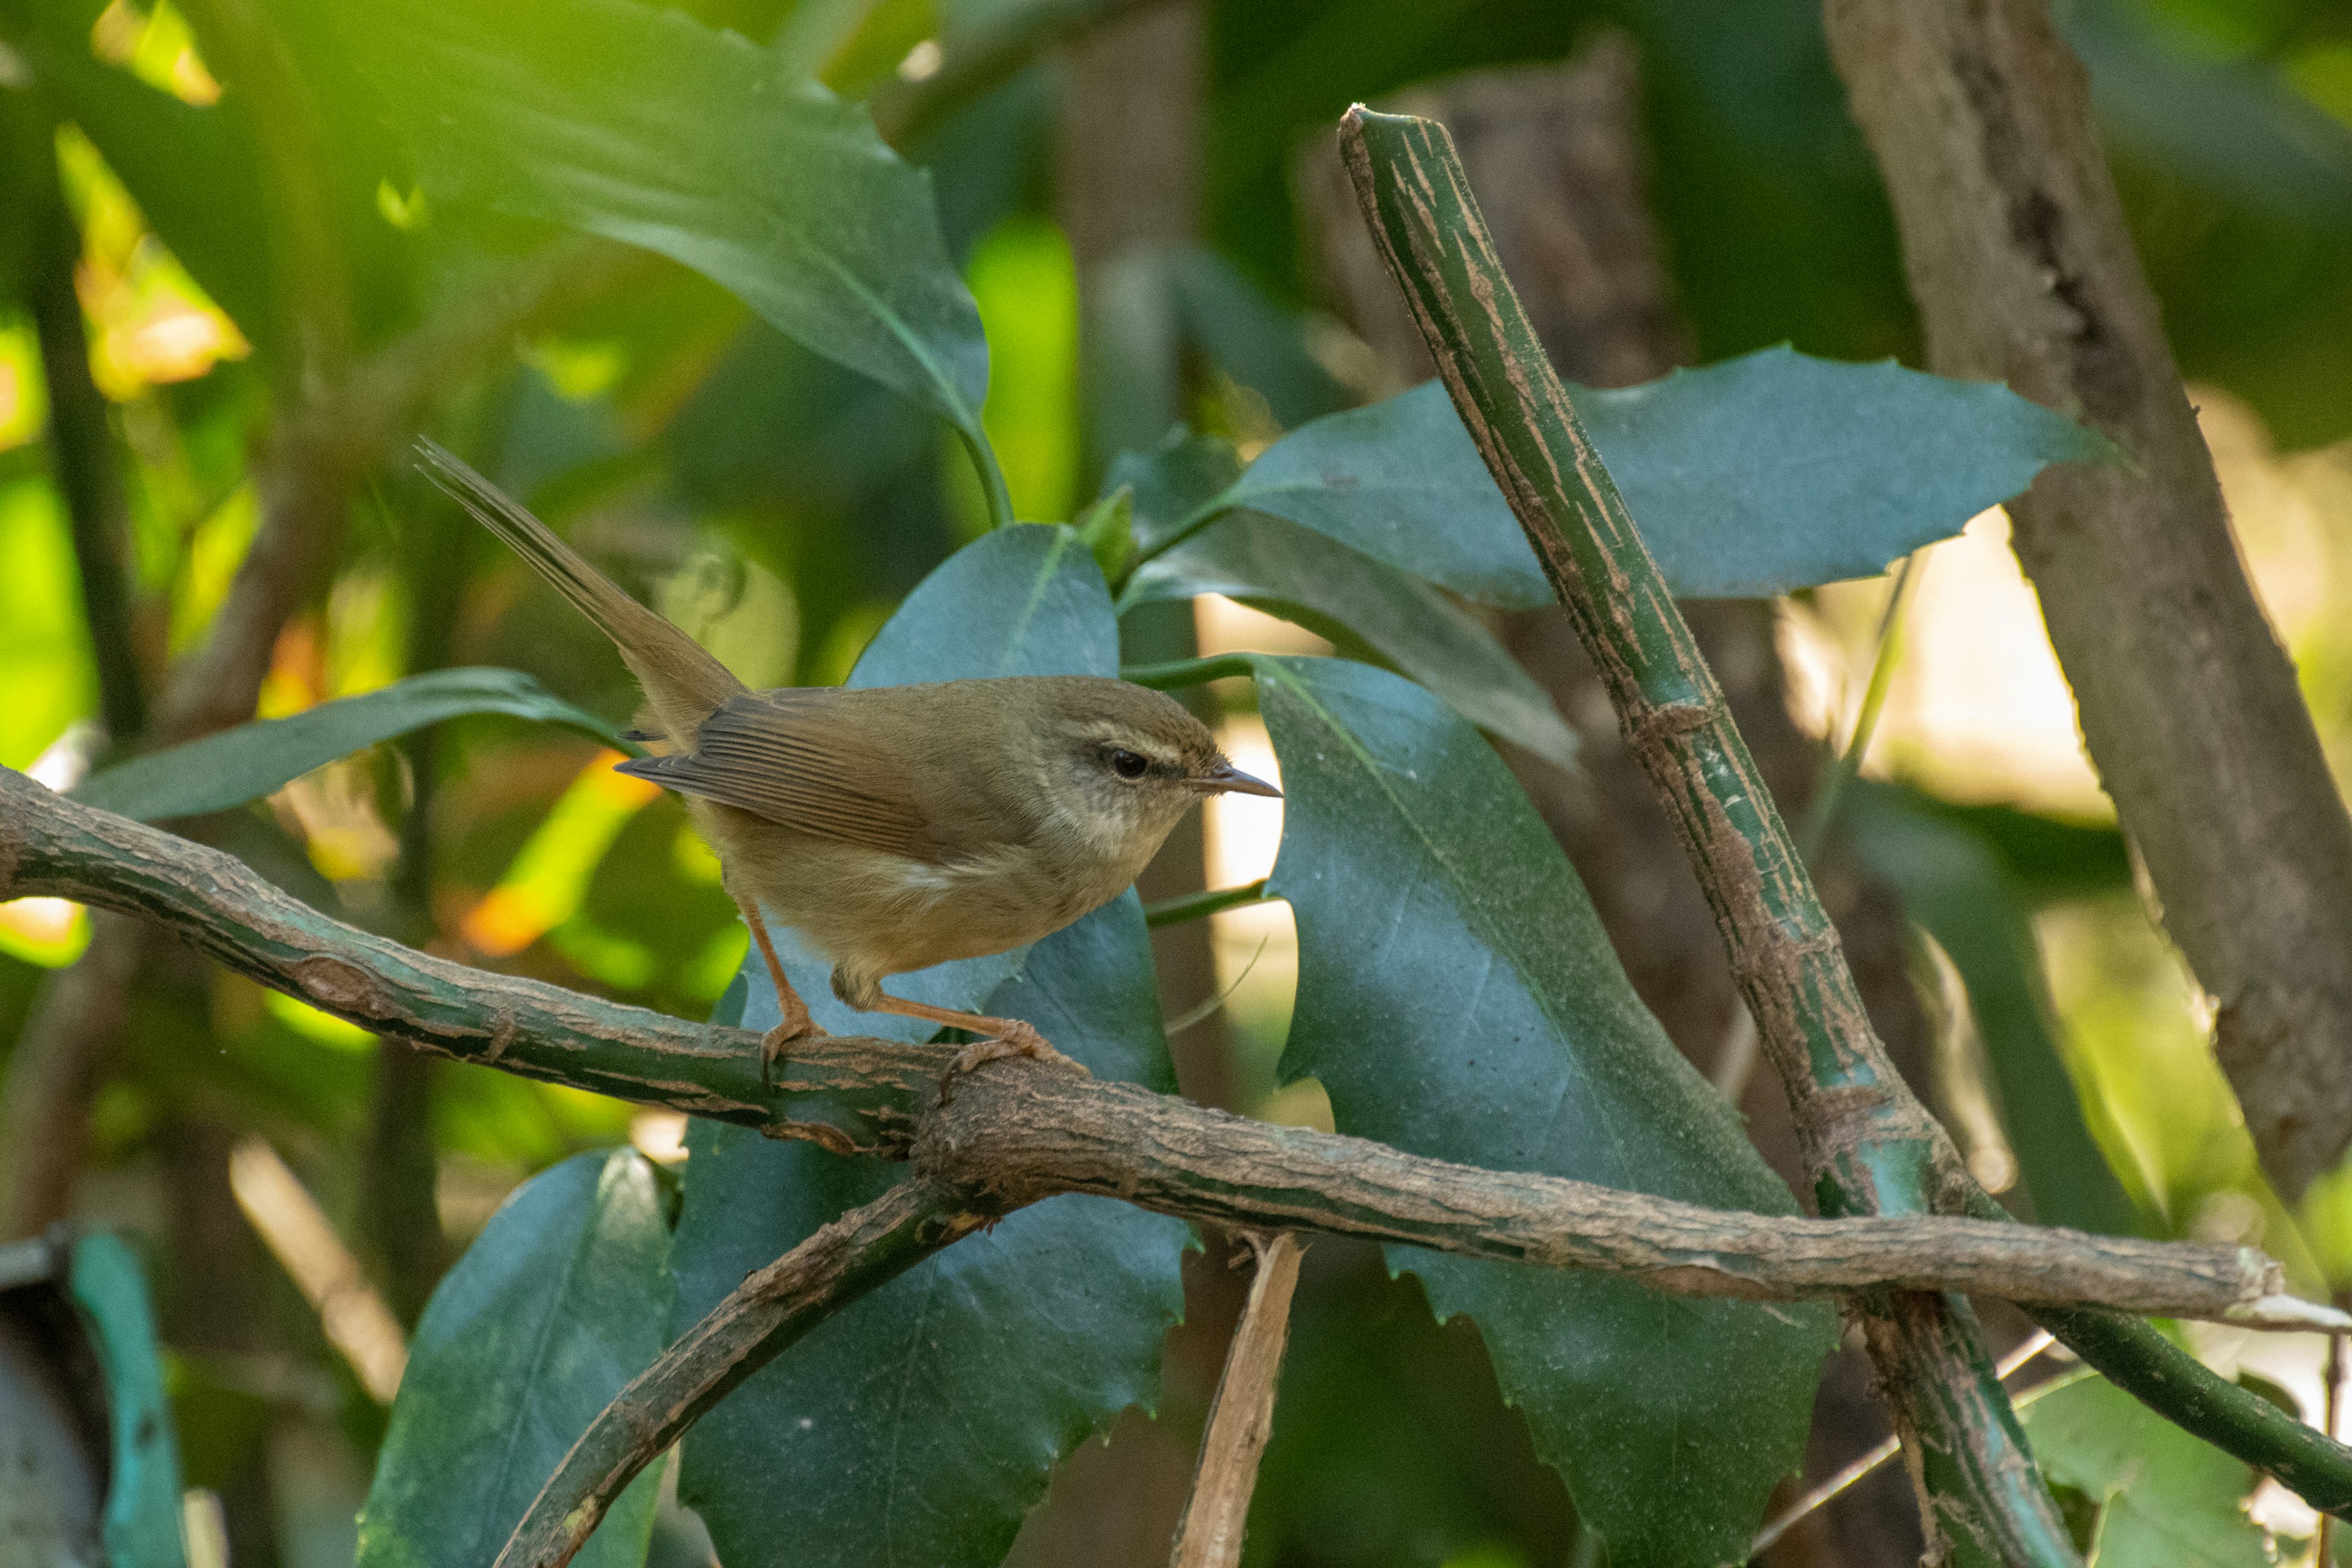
(773, 1044)
(1016, 1039)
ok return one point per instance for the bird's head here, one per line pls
(1122, 763)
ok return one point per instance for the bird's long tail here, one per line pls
(683, 684)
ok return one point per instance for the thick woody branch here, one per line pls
(2024, 272)
(1011, 1136)
(769, 1313)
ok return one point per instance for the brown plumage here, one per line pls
(894, 827)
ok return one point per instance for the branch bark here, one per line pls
(2023, 270)
(1007, 1139)
(1871, 1146)
(855, 1095)
(1241, 1416)
(767, 1314)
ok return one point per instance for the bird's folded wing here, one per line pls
(799, 758)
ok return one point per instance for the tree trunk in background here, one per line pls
(2024, 271)
(1128, 191)
(1555, 156)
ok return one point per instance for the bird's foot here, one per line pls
(774, 1043)
(1013, 1038)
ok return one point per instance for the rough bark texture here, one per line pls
(1869, 1144)
(2024, 271)
(1007, 1139)
(1556, 155)
(1241, 1417)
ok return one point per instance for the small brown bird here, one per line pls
(898, 827)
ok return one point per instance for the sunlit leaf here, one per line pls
(638, 123)
(558, 1303)
(1458, 998)
(2168, 1500)
(253, 759)
(44, 647)
(1762, 474)
(919, 1424)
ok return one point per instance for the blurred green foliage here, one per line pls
(248, 224)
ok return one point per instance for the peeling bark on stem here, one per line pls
(1241, 1416)
(2024, 271)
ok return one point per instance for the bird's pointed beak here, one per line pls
(1227, 779)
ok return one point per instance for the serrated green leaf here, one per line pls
(919, 1425)
(638, 123)
(558, 1303)
(1754, 477)
(1458, 998)
(1954, 886)
(2169, 1500)
(233, 766)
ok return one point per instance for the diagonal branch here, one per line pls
(1241, 1416)
(1871, 1146)
(768, 1313)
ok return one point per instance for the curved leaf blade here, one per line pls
(558, 1303)
(233, 766)
(1761, 474)
(1458, 998)
(1286, 570)
(640, 123)
(920, 1423)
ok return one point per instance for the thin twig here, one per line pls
(1241, 1416)
(772, 1310)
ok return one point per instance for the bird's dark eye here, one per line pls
(1128, 765)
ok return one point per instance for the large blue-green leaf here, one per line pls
(1278, 566)
(640, 123)
(2167, 1500)
(1365, 605)
(919, 1425)
(1458, 998)
(1955, 886)
(1763, 474)
(233, 766)
(560, 1301)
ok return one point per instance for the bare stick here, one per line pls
(1241, 1416)
(771, 1311)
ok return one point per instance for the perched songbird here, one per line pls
(899, 826)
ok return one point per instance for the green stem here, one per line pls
(1179, 672)
(1872, 1146)
(1820, 816)
(1200, 906)
(1191, 523)
(991, 476)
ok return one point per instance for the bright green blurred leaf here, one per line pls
(44, 648)
(638, 123)
(1458, 998)
(1753, 476)
(919, 1425)
(2168, 1500)
(558, 1303)
(1027, 291)
(1954, 886)
(254, 760)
